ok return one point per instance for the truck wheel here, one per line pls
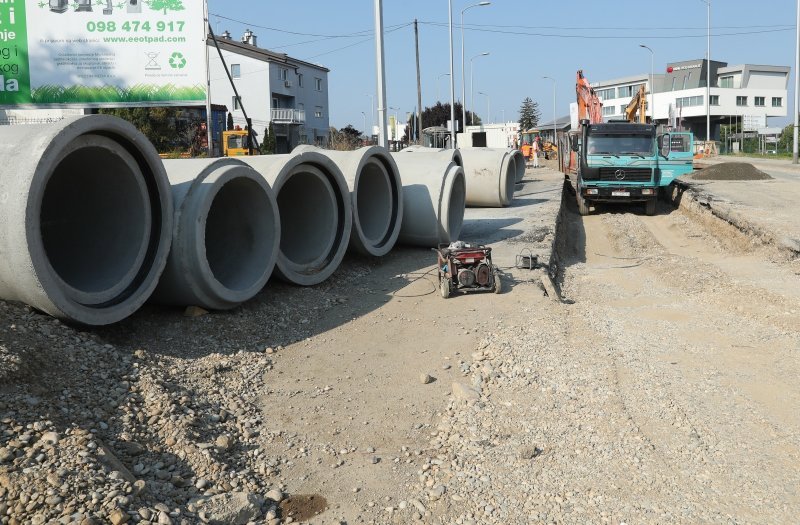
(583, 206)
(650, 207)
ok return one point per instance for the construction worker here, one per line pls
(535, 153)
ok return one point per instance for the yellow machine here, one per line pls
(638, 104)
(528, 137)
(236, 143)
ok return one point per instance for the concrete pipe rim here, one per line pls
(236, 275)
(158, 236)
(508, 179)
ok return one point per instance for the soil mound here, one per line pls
(731, 171)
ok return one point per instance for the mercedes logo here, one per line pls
(619, 174)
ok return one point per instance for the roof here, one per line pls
(561, 123)
(258, 53)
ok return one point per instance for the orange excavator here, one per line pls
(589, 108)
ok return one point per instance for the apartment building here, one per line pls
(273, 87)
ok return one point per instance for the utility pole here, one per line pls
(452, 87)
(209, 133)
(383, 140)
(419, 83)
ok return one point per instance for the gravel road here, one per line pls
(660, 390)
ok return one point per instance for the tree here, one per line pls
(269, 142)
(346, 139)
(229, 123)
(439, 114)
(786, 140)
(528, 114)
(166, 5)
(159, 125)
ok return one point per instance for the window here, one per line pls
(318, 84)
(275, 104)
(741, 101)
(714, 100)
(318, 111)
(726, 82)
(235, 103)
(236, 70)
(606, 94)
(759, 101)
(777, 102)
(622, 109)
(608, 110)
(673, 83)
(300, 80)
(284, 74)
(628, 91)
(686, 102)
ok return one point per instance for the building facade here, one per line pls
(750, 93)
(273, 87)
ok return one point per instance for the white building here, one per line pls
(274, 87)
(749, 92)
(500, 135)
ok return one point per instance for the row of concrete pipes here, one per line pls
(93, 223)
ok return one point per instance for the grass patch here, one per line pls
(50, 94)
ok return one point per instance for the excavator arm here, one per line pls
(638, 104)
(589, 105)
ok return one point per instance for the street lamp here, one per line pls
(463, 83)
(652, 87)
(365, 123)
(708, 71)
(438, 95)
(555, 136)
(372, 110)
(471, 89)
(452, 86)
(488, 107)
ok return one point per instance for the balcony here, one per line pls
(288, 116)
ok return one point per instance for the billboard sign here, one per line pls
(753, 122)
(94, 53)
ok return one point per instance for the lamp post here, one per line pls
(555, 137)
(488, 107)
(471, 88)
(365, 123)
(372, 110)
(438, 95)
(708, 70)
(463, 84)
(452, 85)
(796, 85)
(652, 87)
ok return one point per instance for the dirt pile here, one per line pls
(731, 171)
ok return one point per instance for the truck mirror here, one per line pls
(664, 145)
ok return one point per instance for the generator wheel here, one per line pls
(445, 287)
(498, 284)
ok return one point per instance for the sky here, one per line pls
(525, 39)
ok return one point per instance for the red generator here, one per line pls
(468, 267)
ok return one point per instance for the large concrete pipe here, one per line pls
(226, 234)
(316, 217)
(519, 163)
(434, 194)
(376, 193)
(85, 218)
(490, 176)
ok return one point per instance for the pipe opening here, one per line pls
(309, 216)
(95, 222)
(374, 206)
(510, 180)
(239, 234)
(457, 202)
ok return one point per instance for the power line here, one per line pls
(359, 42)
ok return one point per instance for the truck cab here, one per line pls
(627, 162)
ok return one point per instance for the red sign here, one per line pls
(669, 69)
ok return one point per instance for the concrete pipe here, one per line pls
(434, 194)
(519, 163)
(376, 193)
(226, 234)
(85, 218)
(316, 217)
(490, 176)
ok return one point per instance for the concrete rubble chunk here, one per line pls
(231, 508)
